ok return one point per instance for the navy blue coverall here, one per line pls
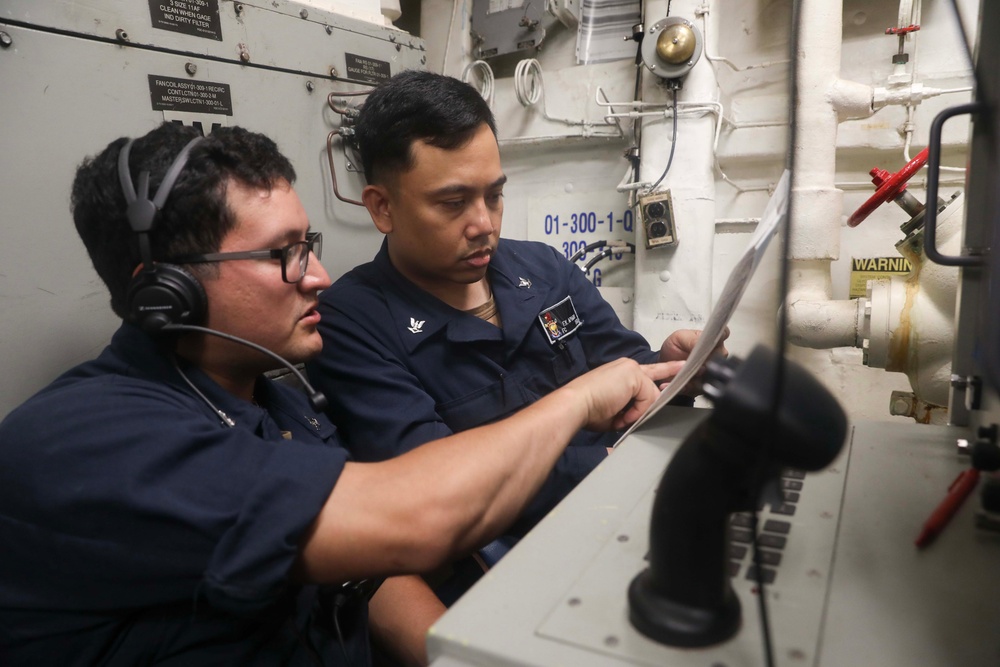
(401, 367)
(138, 529)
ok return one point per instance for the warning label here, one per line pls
(191, 17)
(361, 68)
(168, 94)
(870, 268)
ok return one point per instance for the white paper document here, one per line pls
(774, 214)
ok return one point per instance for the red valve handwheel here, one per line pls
(889, 187)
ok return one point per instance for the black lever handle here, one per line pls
(933, 166)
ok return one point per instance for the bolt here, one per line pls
(900, 407)
(191, 68)
(310, 86)
(244, 54)
(239, 8)
(399, 47)
(121, 35)
(304, 13)
(329, 29)
(879, 176)
(5, 40)
(333, 72)
(423, 60)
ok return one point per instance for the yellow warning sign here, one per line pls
(864, 269)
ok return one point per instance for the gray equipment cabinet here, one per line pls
(76, 76)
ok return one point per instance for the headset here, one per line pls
(160, 294)
(167, 297)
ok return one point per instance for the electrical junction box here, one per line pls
(506, 26)
(656, 211)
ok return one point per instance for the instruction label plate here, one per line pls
(199, 18)
(361, 68)
(169, 94)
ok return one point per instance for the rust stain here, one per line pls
(925, 417)
(899, 345)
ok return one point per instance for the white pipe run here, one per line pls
(824, 99)
(673, 285)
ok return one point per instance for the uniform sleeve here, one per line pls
(380, 408)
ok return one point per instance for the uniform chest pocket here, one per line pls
(486, 404)
(568, 360)
(307, 428)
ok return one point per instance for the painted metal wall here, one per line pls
(77, 77)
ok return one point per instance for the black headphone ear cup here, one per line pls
(165, 294)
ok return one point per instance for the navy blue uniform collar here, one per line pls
(149, 357)
(417, 315)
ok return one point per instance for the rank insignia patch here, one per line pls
(560, 320)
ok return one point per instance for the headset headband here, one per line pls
(142, 210)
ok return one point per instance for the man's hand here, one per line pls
(678, 346)
(617, 393)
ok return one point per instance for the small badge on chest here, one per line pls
(560, 320)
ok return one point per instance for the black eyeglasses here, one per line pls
(294, 256)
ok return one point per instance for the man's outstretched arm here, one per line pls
(451, 496)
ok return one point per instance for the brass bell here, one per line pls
(676, 44)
